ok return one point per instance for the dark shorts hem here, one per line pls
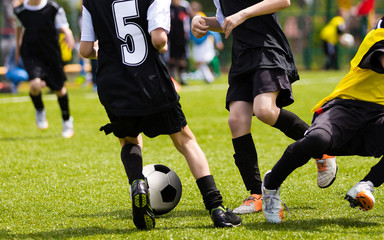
(246, 87)
(169, 121)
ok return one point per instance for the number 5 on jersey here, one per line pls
(129, 32)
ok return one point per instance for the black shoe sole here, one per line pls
(143, 216)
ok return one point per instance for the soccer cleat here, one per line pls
(272, 208)
(223, 217)
(143, 216)
(326, 171)
(67, 128)
(41, 120)
(251, 204)
(361, 195)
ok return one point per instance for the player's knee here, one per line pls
(62, 92)
(35, 86)
(265, 114)
(236, 121)
(182, 139)
(319, 138)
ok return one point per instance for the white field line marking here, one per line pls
(184, 89)
(25, 99)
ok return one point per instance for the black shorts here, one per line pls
(166, 122)
(356, 127)
(247, 86)
(52, 73)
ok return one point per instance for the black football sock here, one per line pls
(376, 174)
(211, 195)
(291, 125)
(64, 106)
(37, 102)
(133, 162)
(246, 161)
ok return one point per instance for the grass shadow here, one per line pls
(67, 233)
(316, 225)
(28, 138)
(127, 214)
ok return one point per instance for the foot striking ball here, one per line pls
(164, 188)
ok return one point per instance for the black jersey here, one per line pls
(177, 35)
(262, 32)
(40, 39)
(132, 79)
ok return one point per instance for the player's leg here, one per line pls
(35, 85)
(206, 71)
(62, 98)
(266, 110)
(239, 121)
(187, 145)
(131, 156)
(362, 193)
(292, 126)
(315, 143)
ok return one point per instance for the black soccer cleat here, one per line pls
(143, 216)
(223, 217)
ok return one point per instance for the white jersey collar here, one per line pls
(37, 7)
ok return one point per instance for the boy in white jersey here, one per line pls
(37, 43)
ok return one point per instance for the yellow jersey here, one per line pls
(360, 84)
(330, 32)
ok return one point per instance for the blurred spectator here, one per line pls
(7, 28)
(219, 45)
(178, 38)
(203, 49)
(330, 37)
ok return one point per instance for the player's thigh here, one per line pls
(340, 122)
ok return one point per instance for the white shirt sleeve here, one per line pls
(219, 13)
(87, 31)
(159, 16)
(61, 19)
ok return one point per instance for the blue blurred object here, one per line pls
(15, 71)
(16, 75)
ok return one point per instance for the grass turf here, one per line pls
(55, 188)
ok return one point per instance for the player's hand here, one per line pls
(68, 37)
(199, 27)
(231, 22)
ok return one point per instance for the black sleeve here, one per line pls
(371, 58)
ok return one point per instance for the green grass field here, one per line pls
(55, 188)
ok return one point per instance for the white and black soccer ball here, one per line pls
(164, 188)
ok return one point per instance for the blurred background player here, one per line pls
(203, 49)
(330, 37)
(39, 24)
(138, 95)
(350, 121)
(178, 39)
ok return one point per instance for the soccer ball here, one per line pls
(164, 188)
(347, 40)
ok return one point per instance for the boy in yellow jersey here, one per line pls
(350, 121)
(330, 37)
